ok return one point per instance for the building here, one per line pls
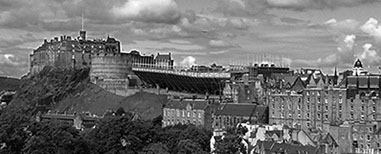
(189, 111)
(243, 90)
(68, 52)
(228, 115)
(265, 147)
(80, 121)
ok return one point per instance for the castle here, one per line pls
(109, 67)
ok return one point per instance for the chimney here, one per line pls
(45, 41)
(61, 38)
(55, 39)
(69, 38)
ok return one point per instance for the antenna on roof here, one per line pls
(82, 28)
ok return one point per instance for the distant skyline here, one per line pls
(310, 33)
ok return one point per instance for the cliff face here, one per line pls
(49, 87)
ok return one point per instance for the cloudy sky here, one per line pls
(306, 33)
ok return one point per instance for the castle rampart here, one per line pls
(110, 71)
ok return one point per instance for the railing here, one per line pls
(180, 70)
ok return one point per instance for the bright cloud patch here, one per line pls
(372, 28)
(160, 11)
(344, 26)
(188, 61)
(369, 55)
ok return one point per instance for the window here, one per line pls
(308, 93)
(318, 99)
(178, 113)
(326, 108)
(362, 117)
(308, 115)
(352, 116)
(374, 109)
(273, 106)
(325, 100)
(299, 116)
(318, 116)
(326, 116)
(281, 115)
(340, 107)
(183, 113)
(194, 114)
(308, 99)
(351, 107)
(362, 108)
(340, 100)
(290, 115)
(308, 107)
(188, 114)
(340, 116)
(289, 106)
(299, 107)
(199, 115)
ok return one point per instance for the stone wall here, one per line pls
(110, 71)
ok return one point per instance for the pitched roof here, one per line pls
(272, 146)
(198, 104)
(240, 109)
(276, 132)
(328, 139)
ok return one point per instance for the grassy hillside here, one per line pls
(70, 91)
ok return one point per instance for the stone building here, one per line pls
(228, 115)
(111, 71)
(189, 111)
(68, 52)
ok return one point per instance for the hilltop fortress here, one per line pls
(110, 68)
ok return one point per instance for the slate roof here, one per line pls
(199, 104)
(272, 146)
(240, 109)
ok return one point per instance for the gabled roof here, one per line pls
(276, 132)
(198, 104)
(328, 139)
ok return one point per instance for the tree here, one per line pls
(229, 144)
(156, 148)
(12, 130)
(54, 137)
(120, 111)
(188, 146)
(120, 134)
